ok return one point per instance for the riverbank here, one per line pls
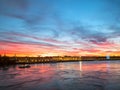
(14, 64)
(5, 60)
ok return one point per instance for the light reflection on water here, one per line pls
(86, 75)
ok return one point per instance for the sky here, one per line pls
(59, 27)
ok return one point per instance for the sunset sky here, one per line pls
(59, 27)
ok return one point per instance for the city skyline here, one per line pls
(59, 27)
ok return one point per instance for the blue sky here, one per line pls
(60, 27)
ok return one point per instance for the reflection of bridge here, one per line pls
(61, 59)
(46, 59)
(13, 60)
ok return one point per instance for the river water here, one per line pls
(83, 75)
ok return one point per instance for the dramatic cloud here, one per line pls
(60, 27)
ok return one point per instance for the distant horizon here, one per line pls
(58, 55)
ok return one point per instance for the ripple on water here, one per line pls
(63, 76)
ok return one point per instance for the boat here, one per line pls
(24, 66)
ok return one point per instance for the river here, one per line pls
(83, 75)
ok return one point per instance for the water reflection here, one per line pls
(92, 75)
(80, 64)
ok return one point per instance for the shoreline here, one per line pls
(4, 65)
